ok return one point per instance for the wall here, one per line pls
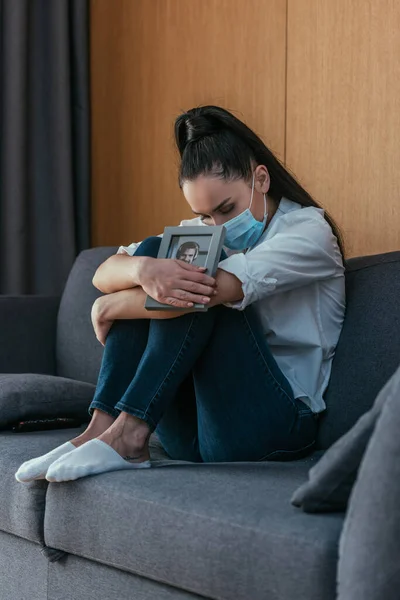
(318, 80)
(343, 114)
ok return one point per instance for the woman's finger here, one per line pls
(188, 266)
(189, 297)
(198, 277)
(196, 288)
(178, 303)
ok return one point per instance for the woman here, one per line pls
(245, 380)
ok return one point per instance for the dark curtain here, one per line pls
(44, 142)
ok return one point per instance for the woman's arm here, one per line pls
(170, 281)
(304, 251)
(129, 303)
(118, 272)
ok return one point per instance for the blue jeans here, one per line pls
(207, 383)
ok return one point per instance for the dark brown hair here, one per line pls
(211, 140)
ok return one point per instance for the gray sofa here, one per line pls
(180, 530)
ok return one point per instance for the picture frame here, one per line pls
(199, 245)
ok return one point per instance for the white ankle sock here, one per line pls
(36, 468)
(91, 458)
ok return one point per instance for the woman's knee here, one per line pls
(149, 247)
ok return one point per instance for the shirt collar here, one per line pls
(286, 205)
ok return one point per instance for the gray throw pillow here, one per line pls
(331, 480)
(369, 548)
(33, 396)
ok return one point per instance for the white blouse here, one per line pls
(294, 277)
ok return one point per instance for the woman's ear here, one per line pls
(263, 181)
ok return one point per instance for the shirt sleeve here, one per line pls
(301, 253)
(131, 249)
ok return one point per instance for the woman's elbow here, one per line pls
(99, 286)
(99, 283)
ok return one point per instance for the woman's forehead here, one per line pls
(205, 193)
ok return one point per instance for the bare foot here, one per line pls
(129, 436)
(100, 422)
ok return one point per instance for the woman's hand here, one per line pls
(100, 324)
(175, 282)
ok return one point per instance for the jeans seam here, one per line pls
(280, 388)
(179, 354)
(287, 451)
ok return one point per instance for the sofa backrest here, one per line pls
(368, 352)
(78, 351)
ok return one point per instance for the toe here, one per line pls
(50, 475)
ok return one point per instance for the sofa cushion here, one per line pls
(31, 396)
(369, 346)
(23, 572)
(22, 504)
(222, 530)
(77, 578)
(78, 351)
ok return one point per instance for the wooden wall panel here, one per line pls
(151, 59)
(343, 114)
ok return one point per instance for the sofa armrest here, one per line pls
(28, 326)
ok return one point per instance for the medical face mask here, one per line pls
(243, 231)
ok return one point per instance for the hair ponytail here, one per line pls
(189, 129)
(212, 141)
